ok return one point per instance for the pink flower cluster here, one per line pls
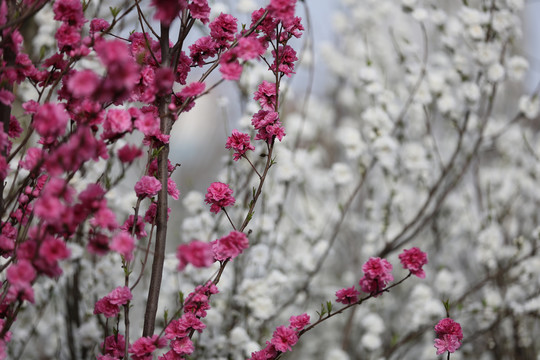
(219, 196)
(203, 254)
(144, 347)
(178, 331)
(377, 274)
(239, 142)
(449, 336)
(268, 126)
(283, 338)
(413, 260)
(148, 186)
(197, 253)
(230, 246)
(110, 304)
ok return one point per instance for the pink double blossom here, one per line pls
(124, 244)
(240, 142)
(347, 296)
(144, 347)
(449, 336)
(284, 338)
(413, 260)
(148, 186)
(197, 253)
(223, 29)
(109, 305)
(266, 95)
(51, 120)
(219, 195)
(114, 345)
(377, 274)
(268, 126)
(299, 322)
(230, 246)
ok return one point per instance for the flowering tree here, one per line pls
(428, 152)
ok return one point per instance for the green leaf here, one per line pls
(114, 11)
(329, 307)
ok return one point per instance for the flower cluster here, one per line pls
(377, 274)
(219, 196)
(413, 260)
(283, 338)
(109, 305)
(449, 336)
(240, 143)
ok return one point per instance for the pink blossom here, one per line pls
(167, 11)
(51, 120)
(284, 338)
(446, 343)
(268, 126)
(83, 83)
(127, 226)
(223, 29)
(286, 56)
(114, 345)
(202, 49)
(230, 67)
(183, 326)
(6, 97)
(128, 153)
(240, 142)
(197, 253)
(53, 249)
(120, 296)
(282, 10)
(449, 326)
(69, 11)
(68, 37)
(147, 123)
(15, 129)
(299, 322)
(117, 122)
(147, 186)
(123, 244)
(378, 268)
(249, 48)
(7, 238)
(98, 243)
(449, 336)
(182, 346)
(21, 274)
(413, 260)
(193, 89)
(183, 68)
(267, 26)
(122, 70)
(200, 10)
(378, 272)
(269, 352)
(230, 246)
(110, 304)
(98, 25)
(197, 301)
(172, 190)
(266, 95)
(143, 348)
(219, 195)
(347, 296)
(104, 218)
